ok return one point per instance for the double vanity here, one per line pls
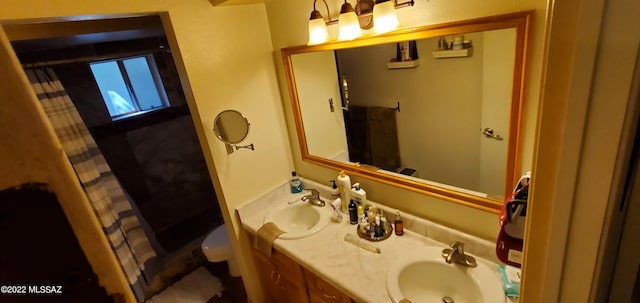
(312, 262)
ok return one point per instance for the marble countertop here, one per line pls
(357, 272)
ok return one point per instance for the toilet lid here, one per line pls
(216, 245)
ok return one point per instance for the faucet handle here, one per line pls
(314, 194)
(457, 246)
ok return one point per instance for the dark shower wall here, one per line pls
(175, 173)
(156, 156)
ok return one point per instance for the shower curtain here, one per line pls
(121, 225)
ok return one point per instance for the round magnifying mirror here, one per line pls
(231, 127)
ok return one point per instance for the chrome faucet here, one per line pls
(314, 198)
(455, 254)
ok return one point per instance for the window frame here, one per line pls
(155, 75)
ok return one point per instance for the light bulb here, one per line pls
(317, 32)
(349, 26)
(385, 18)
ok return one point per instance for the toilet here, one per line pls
(217, 248)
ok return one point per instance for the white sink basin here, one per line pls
(422, 275)
(300, 220)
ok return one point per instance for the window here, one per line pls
(129, 85)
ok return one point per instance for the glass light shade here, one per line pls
(385, 18)
(317, 32)
(349, 26)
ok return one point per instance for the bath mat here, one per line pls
(196, 287)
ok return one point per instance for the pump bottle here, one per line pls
(344, 187)
(353, 212)
(358, 194)
(335, 192)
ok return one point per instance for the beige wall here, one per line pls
(288, 23)
(228, 61)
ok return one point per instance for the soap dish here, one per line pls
(369, 236)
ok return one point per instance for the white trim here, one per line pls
(571, 43)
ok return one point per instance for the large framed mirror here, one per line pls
(443, 120)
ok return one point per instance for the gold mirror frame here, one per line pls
(520, 21)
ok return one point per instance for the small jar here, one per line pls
(457, 42)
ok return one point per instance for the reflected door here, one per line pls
(317, 75)
(497, 76)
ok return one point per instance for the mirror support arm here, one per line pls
(230, 147)
(250, 146)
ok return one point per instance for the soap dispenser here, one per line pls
(296, 184)
(335, 193)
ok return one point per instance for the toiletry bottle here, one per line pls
(371, 217)
(442, 44)
(335, 193)
(413, 50)
(296, 184)
(344, 187)
(378, 231)
(363, 225)
(358, 194)
(404, 51)
(383, 222)
(397, 224)
(360, 213)
(457, 42)
(353, 212)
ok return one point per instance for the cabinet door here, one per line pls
(317, 297)
(322, 292)
(291, 292)
(268, 278)
(281, 279)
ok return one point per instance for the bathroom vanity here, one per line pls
(323, 267)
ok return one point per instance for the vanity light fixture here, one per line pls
(380, 14)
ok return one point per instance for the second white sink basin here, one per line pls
(299, 220)
(422, 275)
